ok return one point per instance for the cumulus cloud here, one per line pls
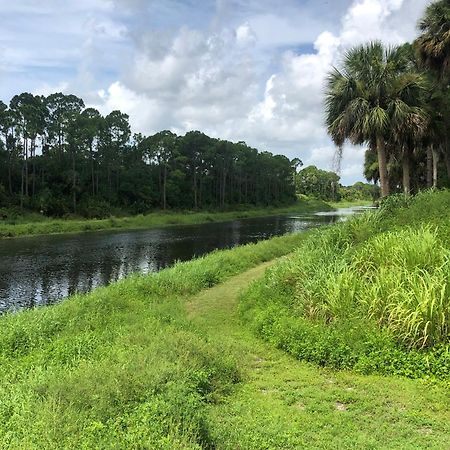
(236, 69)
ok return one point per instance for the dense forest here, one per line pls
(58, 157)
(396, 101)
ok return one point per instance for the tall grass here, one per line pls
(382, 278)
(403, 282)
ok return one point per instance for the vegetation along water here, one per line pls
(40, 270)
(163, 361)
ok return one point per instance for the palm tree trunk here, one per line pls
(435, 166)
(406, 172)
(382, 167)
(429, 166)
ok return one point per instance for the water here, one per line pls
(45, 269)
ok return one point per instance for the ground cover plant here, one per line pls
(163, 361)
(372, 294)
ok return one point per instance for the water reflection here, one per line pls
(42, 270)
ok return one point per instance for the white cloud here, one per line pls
(245, 34)
(47, 89)
(236, 69)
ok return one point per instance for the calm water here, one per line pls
(45, 269)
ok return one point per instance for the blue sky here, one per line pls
(248, 70)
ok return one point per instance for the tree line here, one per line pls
(59, 157)
(396, 101)
(325, 185)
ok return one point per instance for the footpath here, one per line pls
(283, 403)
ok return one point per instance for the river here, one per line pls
(42, 270)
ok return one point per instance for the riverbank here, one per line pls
(350, 204)
(165, 361)
(153, 220)
(121, 367)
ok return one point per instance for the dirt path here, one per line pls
(282, 403)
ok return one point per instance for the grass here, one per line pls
(164, 361)
(37, 225)
(283, 403)
(372, 294)
(121, 367)
(349, 204)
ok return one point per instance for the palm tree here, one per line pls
(433, 50)
(373, 93)
(433, 45)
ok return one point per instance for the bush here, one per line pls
(93, 208)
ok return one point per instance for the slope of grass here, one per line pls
(36, 225)
(121, 367)
(372, 294)
(283, 403)
(164, 362)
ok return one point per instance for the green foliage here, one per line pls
(433, 45)
(364, 294)
(318, 183)
(359, 191)
(58, 157)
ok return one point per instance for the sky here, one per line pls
(242, 70)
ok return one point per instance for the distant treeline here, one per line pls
(58, 157)
(325, 185)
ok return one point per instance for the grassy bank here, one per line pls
(372, 294)
(121, 367)
(164, 361)
(36, 225)
(349, 204)
(283, 403)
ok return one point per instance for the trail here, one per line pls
(283, 403)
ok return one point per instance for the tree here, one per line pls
(372, 92)
(28, 116)
(161, 149)
(8, 142)
(318, 183)
(91, 122)
(114, 136)
(433, 45)
(62, 111)
(88, 164)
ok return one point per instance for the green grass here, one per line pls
(372, 294)
(36, 225)
(121, 367)
(164, 361)
(349, 204)
(283, 403)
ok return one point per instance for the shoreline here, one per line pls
(157, 220)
